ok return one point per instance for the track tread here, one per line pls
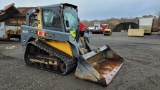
(67, 59)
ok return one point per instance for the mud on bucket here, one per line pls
(99, 66)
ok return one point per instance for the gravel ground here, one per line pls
(141, 69)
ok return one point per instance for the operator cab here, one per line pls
(58, 17)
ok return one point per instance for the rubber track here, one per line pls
(68, 60)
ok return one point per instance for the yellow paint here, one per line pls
(39, 18)
(60, 45)
(107, 32)
(147, 31)
(136, 32)
(73, 33)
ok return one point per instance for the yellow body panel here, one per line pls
(60, 45)
(39, 18)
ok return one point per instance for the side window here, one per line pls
(34, 20)
(48, 18)
(51, 19)
(72, 21)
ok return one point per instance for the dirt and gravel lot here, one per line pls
(141, 69)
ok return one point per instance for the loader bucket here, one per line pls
(8, 12)
(99, 66)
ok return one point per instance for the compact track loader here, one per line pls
(53, 42)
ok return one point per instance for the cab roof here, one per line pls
(59, 5)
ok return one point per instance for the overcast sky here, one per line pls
(98, 9)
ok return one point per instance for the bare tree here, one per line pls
(158, 14)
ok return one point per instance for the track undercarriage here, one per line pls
(40, 55)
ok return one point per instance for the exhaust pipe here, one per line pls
(99, 66)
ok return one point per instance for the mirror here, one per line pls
(67, 23)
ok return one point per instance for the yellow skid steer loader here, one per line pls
(53, 42)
